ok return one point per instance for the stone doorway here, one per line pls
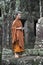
(35, 22)
(0, 12)
(23, 22)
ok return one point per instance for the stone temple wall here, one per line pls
(30, 56)
(9, 9)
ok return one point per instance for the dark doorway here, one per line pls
(35, 22)
(23, 21)
(0, 12)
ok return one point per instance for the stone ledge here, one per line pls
(27, 60)
(34, 52)
(29, 57)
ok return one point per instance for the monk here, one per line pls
(17, 36)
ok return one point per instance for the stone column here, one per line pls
(39, 34)
(29, 33)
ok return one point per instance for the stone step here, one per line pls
(28, 52)
(29, 57)
(34, 52)
(27, 60)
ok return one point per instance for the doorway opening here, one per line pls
(23, 22)
(0, 12)
(35, 22)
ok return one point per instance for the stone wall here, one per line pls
(8, 17)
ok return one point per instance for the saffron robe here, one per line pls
(17, 36)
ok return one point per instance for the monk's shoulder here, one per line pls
(14, 22)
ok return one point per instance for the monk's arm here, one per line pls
(20, 28)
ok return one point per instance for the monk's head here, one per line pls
(18, 15)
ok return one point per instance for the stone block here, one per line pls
(40, 52)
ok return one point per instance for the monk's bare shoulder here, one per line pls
(13, 22)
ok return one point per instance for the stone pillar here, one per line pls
(4, 30)
(39, 34)
(29, 33)
(7, 36)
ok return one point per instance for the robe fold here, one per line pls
(17, 36)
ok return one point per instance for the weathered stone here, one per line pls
(27, 60)
(8, 12)
(6, 53)
(34, 52)
(39, 33)
(29, 32)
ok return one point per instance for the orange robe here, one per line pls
(17, 36)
